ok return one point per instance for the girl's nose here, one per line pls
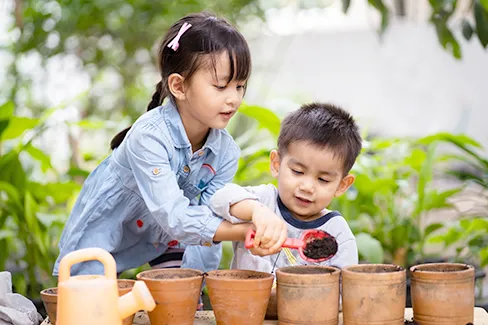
(233, 98)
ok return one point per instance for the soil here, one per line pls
(378, 269)
(321, 248)
(238, 275)
(169, 274)
(124, 285)
(441, 268)
(308, 270)
(51, 291)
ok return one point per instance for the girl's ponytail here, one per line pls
(156, 100)
(157, 97)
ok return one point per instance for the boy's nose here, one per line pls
(307, 186)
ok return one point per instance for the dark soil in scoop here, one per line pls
(321, 248)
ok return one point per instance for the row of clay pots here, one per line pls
(371, 294)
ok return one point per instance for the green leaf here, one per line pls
(380, 6)
(266, 118)
(11, 171)
(467, 29)
(90, 124)
(17, 126)
(7, 110)
(438, 200)
(370, 248)
(484, 3)
(445, 36)
(431, 228)
(481, 18)
(484, 256)
(39, 155)
(3, 126)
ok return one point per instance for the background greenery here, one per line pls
(388, 208)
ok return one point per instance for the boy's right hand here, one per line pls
(271, 231)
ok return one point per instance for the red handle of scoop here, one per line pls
(289, 242)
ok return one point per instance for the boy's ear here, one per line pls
(274, 162)
(345, 183)
(176, 85)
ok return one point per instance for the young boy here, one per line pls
(317, 147)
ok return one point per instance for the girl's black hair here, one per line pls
(208, 35)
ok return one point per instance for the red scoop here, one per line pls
(295, 243)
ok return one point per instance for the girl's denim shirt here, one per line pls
(152, 193)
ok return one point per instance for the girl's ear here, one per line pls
(274, 162)
(176, 86)
(345, 183)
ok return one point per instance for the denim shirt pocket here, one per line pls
(190, 191)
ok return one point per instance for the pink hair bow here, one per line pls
(174, 44)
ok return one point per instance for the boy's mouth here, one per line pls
(302, 200)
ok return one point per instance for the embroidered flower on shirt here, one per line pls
(139, 223)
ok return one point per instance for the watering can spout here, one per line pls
(139, 298)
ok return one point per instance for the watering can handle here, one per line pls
(289, 242)
(87, 254)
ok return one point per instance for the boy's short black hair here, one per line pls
(326, 126)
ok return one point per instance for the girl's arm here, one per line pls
(149, 152)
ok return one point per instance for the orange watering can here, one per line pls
(94, 299)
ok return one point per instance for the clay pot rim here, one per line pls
(417, 268)
(142, 275)
(351, 269)
(45, 293)
(283, 270)
(210, 275)
(129, 281)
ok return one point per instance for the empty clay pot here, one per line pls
(176, 292)
(50, 300)
(308, 295)
(442, 293)
(125, 286)
(373, 294)
(239, 297)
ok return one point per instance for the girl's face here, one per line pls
(210, 101)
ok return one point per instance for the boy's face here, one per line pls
(309, 177)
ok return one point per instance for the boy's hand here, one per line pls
(271, 231)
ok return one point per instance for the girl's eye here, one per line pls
(323, 180)
(239, 87)
(220, 87)
(296, 172)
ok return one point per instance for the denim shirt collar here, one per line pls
(177, 130)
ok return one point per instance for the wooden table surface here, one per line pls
(207, 318)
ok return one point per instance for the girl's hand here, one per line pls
(271, 231)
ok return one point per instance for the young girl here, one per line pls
(152, 192)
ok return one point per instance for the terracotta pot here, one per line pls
(50, 300)
(442, 293)
(239, 297)
(176, 292)
(308, 295)
(125, 286)
(272, 311)
(373, 294)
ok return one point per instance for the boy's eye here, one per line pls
(296, 172)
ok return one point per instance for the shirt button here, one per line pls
(207, 244)
(200, 153)
(186, 169)
(155, 171)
